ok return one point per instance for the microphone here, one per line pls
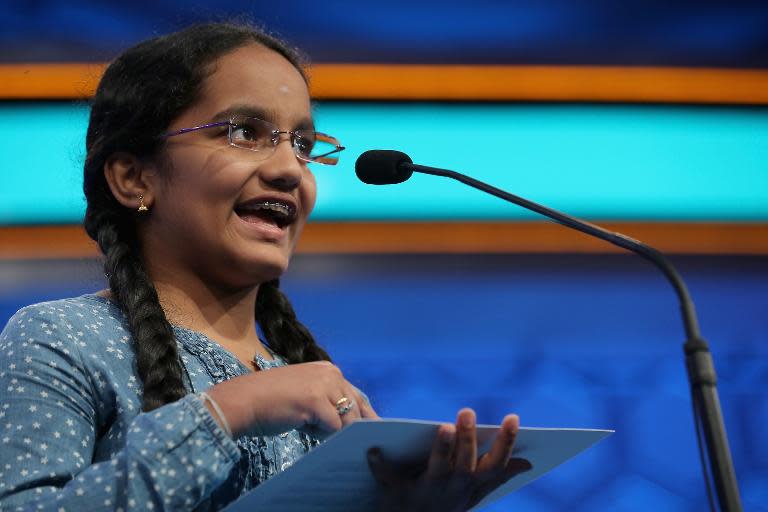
(382, 167)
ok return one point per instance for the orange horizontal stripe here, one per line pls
(48, 242)
(49, 81)
(541, 83)
(453, 83)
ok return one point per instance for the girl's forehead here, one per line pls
(257, 77)
(259, 70)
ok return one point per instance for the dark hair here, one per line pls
(140, 94)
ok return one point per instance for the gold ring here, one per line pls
(344, 405)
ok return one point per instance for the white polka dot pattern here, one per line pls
(72, 435)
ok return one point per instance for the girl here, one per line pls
(158, 393)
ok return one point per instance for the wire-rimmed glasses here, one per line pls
(262, 137)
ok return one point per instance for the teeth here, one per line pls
(276, 207)
(282, 213)
(281, 208)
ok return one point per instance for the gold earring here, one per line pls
(142, 206)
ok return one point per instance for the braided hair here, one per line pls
(139, 95)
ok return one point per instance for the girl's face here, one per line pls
(208, 214)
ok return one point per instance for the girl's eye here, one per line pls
(305, 145)
(243, 132)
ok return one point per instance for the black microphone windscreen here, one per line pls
(383, 167)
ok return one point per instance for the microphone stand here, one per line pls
(701, 369)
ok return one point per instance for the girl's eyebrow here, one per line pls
(245, 110)
(259, 113)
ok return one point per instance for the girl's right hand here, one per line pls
(454, 478)
(300, 396)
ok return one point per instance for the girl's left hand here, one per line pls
(455, 479)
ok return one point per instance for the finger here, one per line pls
(497, 457)
(347, 408)
(324, 419)
(517, 465)
(366, 411)
(514, 467)
(383, 471)
(465, 451)
(439, 464)
(323, 363)
(325, 423)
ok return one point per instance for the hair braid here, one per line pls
(139, 95)
(285, 334)
(157, 357)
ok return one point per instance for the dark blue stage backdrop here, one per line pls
(565, 341)
(716, 33)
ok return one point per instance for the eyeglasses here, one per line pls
(263, 137)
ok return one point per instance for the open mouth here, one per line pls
(278, 213)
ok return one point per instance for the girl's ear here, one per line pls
(131, 181)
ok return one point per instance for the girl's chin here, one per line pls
(263, 265)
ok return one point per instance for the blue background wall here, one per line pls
(565, 341)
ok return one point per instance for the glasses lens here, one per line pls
(317, 147)
(251, 133)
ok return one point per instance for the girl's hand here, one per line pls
(305, 396)
(454, 478)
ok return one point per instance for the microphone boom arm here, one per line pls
(699, 364)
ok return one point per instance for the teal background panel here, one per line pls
(43, 149)
(609, 162)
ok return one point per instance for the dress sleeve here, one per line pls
(173, 457)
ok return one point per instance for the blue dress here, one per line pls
(72, 434)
